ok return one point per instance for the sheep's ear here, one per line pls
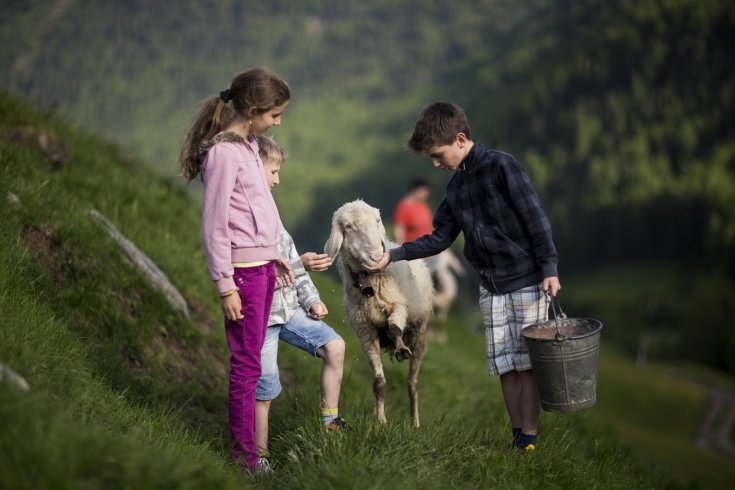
(334, 243)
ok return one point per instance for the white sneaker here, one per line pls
(263, 466)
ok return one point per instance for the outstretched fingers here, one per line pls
(284, 274)
(314, 262)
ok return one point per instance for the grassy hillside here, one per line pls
(125, 394)
(657, 415)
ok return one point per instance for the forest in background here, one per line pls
(621, 111)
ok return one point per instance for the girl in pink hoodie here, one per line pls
(240, 228)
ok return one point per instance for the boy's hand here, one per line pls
(284, 274)
(551, 285)
(318, 311)
(380, 265)
(232, 307)
(314, 262)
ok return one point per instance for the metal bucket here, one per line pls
(564, 355)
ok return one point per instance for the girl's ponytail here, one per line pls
(213, 117)
(256, 90)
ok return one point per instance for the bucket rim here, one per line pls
(550, 323)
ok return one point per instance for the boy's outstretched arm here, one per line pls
(445, 232)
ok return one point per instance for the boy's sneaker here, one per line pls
(528, 449)
(527, 443)
(263, 466)
(338, 424)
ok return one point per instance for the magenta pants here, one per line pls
(245, 339)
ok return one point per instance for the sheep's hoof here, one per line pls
(402, 353)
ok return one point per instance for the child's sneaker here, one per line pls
(263, 466)
(527, 443)
(338, 424)
(528, 449)
(516, 434)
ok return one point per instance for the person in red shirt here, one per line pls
(412, 216)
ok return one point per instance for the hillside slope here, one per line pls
(125, 394)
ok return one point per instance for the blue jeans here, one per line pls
(300, 331)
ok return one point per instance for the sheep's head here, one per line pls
(358, 231)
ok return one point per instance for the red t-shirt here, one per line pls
(415, 217)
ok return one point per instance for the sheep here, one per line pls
(390, 309)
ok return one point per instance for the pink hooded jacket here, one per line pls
(240, 221)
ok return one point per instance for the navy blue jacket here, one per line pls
(507, 234)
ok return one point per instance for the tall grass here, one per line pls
(125, 394)
(111, 405)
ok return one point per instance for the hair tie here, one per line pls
(226, 95)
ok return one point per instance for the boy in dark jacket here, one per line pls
(507, 240)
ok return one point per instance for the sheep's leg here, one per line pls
(371, 348)
(396, 324)
(413, 375)
(413, 387)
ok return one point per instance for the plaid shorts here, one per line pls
(504, 315)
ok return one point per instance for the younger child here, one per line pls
(507, 240)
(296, 318)
(240, 229)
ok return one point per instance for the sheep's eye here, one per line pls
(347, 226)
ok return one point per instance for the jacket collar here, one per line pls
(472, 157)
(224, 137)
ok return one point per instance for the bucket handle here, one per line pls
(560, 314)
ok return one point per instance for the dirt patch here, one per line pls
(44, 244)
(48, 144)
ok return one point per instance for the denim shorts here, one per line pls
(301, 332)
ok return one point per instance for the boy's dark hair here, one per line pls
(438, 125)
(417, 182)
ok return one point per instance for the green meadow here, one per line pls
(124, 393)
(622, 113)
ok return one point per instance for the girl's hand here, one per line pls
(318, 311)
(284, 274)
(551, 285)
(232, 307)
(314, 262)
